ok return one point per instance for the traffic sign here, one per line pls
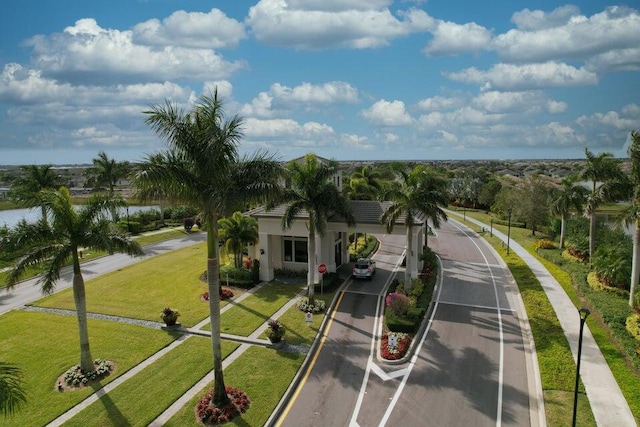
(322, 268)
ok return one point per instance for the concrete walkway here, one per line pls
(608, 404)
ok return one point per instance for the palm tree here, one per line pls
(313, 191)
(106, 173)
(570, 196)
(12, 394)
(421, 192)
(26, 190)
(606, 176)
(631, 215)
(237, 232)
(202, 167)
(364, 184)
(53, 246)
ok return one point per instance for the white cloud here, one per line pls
(438, 103)
(579, 38)
(88, 53)
(532, 20)
(529, 76)
(224, 87)
(354, 24)
(355, 142)
(307, 93)
(278, 128)
(450, 38)
(516, 102)
(615, 60)
(212, 30)
(385, 113)
(260, 107)
(555, 107)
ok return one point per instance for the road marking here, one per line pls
(382, 374)
(376, 332)
(349, 291)
(500, 329)
(414, 358)
(311, 365)
(483, 307)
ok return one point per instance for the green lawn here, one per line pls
(143, 290)
(263, 373)
(168, 378)
(45, 345)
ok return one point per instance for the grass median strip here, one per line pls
(142, 398)
(45, 345)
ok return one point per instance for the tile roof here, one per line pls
(364, 211)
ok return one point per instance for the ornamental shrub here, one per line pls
(633, 325)
(397, 303)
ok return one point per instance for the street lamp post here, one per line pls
(491, 232)
(509, 231)
(584, 312)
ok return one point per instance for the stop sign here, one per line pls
(322, 268)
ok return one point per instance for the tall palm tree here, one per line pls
(202, 167)
(237, 232)
(631, 215)
(12, 393)
(105, 174)
(53, 246)
(27, 189)
(421, 192)
(313, 191)
(571, 195)
(605, 176)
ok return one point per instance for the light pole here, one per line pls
(584, 312)
(491, 232)
(509, 231)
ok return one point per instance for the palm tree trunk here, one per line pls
(409, 261)
(311, 262)
(219, 397)
(592, 234)
(79, 297)
(563, 229)
(635, 266)
(44, 216)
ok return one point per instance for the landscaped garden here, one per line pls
(45, 344)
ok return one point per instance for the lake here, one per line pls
(11, 217)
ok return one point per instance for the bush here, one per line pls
(398, 304)
(330, 282)
(633, 325)
(403, 341)
(318, 305)
(545, 244)
(399, 324)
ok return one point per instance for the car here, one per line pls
(364, 268)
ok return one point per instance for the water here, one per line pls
(12, 217)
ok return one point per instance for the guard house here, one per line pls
(287, 249)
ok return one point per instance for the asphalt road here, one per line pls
(29, 291)
(469, 369)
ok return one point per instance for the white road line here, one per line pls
(414, 358)
(501, 332)
(483, 307)
(376, 332)
(383, 375)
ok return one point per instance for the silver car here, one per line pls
(364, 268)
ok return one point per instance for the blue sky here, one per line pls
(345, 79)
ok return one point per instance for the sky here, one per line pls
(344, 79)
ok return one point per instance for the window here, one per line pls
(295, 249)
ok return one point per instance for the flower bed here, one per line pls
(397, 351)
(226, 294)
(211, 415)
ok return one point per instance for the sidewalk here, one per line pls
(609, 406)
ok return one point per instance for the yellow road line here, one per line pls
(311, 365)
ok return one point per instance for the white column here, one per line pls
(415, 251)
(266, 265)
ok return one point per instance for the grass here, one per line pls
(171, 279)
(246, 316)
(45, 345)
(263, 373)
(626, 376)
(172, 375)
